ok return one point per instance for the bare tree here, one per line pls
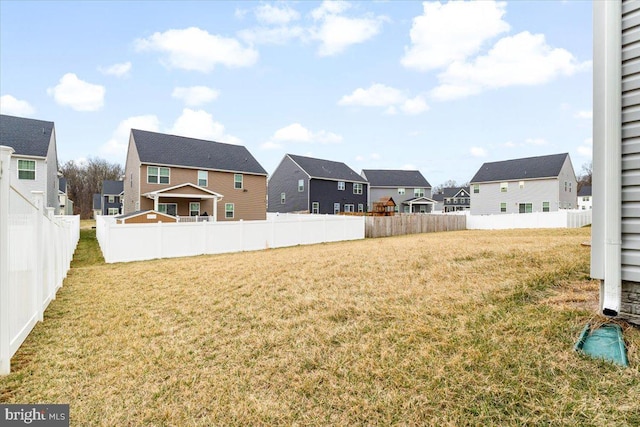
(85, 178)
(450, 183)
(585, 175)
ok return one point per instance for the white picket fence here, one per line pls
(137, 242)
(36, 248)
(559, 219)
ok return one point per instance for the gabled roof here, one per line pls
(526, 168)
(172, 150)
(62, 185)
(326, 169)
(450, 192)
(395, 178)
(28, 137)
(585, 190)
(112, 188)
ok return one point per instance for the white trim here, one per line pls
(202, 168)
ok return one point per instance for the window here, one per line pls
(283, 198)
(504, 186)
(26, 169)
(418, 192)
(228, 209)
(569, 187)
(301, 185)
(525, 207)
(168, 208)
(116, 199)
(341, 185)
(194, 209)
(521, 184)
(401, 191)
(503, 207)
(565, 185)
(157, 175)
(315, 207)
(476, 188)
(203, 178)
(357, 188)
(361, 207)
(112, 199)
(545, 206)
(113, 211)
(348, 207)
(336, 208)
(585, 199)
(237, 182)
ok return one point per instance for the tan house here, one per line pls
(182, 176)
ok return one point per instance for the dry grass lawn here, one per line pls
(458, 328)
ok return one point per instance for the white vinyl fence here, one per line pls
(559, 219)
(35, 254)
(137, 242)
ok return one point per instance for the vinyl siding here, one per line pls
(131, 179)
(488, 200)
(285, 180)
(326, 193)
(630, 255)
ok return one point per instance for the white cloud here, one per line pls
(584, 114)
(510, 144)
(116, 147)
(478, 152)
(200, 124)
(330, 7)
(15, 107)
(197, 50)
(296, 133)
(379, 95)
(195, 95)
(586, 149)
(78, 94)
(523, 59)
(336, 33)
(118, 70)
(276, 15)
(450, 32)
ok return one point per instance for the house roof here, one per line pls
(585, 190)
(450, 192)
(525, 168)
(28, 137)
(110, 187)
(326, 169)
(163, 149)
(395, 178)
(62, 184)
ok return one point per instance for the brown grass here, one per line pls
(459, 328)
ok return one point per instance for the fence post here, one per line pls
(39, 282)
(5, 304)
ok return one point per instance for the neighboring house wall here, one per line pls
(585, 203)
(285, 180)
(249, 201)
(29, 185)
(488, 200)
(131, 202)
(51, 193)
(326, 193)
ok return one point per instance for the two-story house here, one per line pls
(35, 157)
(183, 176)
(532, 184)
(453, 199)
(584, 198)
(111, 197)
(408, 188)
(306, 184)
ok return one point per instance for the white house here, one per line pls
(533, 184)
(585, 202)
(35, 158)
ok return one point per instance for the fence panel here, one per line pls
(35, 255)
(398, 225)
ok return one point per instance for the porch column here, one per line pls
(155, 202)
(215, 209)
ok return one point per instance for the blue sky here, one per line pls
(436, 86)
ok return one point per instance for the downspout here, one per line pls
(607, 131)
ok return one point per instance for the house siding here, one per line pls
(131, 179)
(285, 180)
(26, 185)
(326, 193)
(51, 165)
(249, 202)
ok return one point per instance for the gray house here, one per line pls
(306, 184)
(111, 197)
(615, 233)
(408, 188)
(453, 199)
(35, 157)
(532, 184)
